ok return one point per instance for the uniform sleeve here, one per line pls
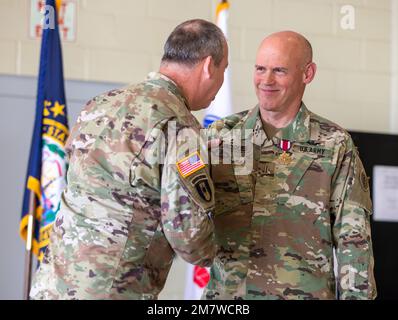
(187, 198)
(351, 210)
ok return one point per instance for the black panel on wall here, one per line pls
(381, 149)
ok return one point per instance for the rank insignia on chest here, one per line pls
(285, 158)
(190, 164)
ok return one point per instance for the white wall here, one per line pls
(121, 40)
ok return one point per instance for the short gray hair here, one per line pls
(194, 40)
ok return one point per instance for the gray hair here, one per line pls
(192, 41)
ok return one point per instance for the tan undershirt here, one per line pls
(270, 130)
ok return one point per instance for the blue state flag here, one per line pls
(45, 179)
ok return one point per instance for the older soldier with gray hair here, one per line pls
(126, 210)
(307, 195)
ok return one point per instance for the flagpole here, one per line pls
(29, 246)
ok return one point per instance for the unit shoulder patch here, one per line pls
(195, 178)
(364, 181)
(201, 183)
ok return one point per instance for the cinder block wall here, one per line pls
(122, 40)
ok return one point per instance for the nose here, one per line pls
(267, 78)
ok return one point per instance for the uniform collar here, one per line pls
(297, 131)
(252, 118)
(181, 109)
(163, 81)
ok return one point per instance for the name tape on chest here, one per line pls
(318, 151)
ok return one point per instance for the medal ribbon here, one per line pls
(285, 145)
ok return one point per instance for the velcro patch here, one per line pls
(364, 181)
(315, 150)
(201, 183)
(190, 164)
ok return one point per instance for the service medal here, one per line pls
(285, 158)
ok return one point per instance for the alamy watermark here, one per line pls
(347, 21)
(232, 146)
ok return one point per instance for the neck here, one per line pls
(279, 119)
(182, 76)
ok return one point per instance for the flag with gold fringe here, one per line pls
(47, 165)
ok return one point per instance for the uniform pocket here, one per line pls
(294, 174)
(305, 203)
(226, 188)
(298, 171)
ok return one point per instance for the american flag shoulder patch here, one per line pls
(190, 164)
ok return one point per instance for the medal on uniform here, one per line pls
(285, 158)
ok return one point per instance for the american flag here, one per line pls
(190, 164)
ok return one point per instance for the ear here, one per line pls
(208, 67)
(309, 73)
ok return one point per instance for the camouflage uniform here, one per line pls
(276, 228)
(124, 213)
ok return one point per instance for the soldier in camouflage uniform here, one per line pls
(126, 209)
(307, 194)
